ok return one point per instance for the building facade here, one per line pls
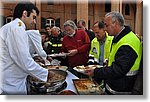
(57, 12)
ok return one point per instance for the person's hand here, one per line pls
(89, 72)
(65, 54)
(105, 63)
(72, 52)
(39, 59)
(49, 58)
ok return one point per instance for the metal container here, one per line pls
(50, 86)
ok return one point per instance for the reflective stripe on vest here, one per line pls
(131, 73)
(49, 42)
(56, 45)
(90, 55)
(91, 60)
(96, 60)
(59, 45)
(131, 40)
(116, 92)
(95, 48)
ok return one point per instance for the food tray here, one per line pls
(87, 87)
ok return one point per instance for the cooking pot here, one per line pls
(50, 85)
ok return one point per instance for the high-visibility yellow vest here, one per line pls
(131, 40)
(54, 45)
(49, 42)
(95, 48)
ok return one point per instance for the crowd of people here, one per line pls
(111, 44)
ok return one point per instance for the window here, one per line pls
(50, 2)
(57, 22)
(43, 22)
(47, 21)
(127, 9)
(89, 25)
(9, 19)
(2, 20)
(50, 22)
(107, 7)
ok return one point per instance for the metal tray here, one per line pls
(87, 87)
(37, 83)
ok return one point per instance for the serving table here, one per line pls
(70, 85)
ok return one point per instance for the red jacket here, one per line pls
(79, 41)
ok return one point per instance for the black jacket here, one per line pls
(115, 75)
(90, 34)
(54, 49)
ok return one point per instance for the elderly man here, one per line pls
(76, 43)
(55, 43)
(124, 59)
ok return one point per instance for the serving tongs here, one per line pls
(97, 85)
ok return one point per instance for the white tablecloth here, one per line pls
(70, 85)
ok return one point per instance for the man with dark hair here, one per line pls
(16, 60)
(100, 45)
(26, 8)
(48, 31)
(81, 25)
(19, 9)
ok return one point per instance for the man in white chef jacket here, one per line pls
(15, 60)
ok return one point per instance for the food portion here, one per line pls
(67, 92)
(54, 77)
(83, 68)
(51, 67)
(57, 67)
(89, 67)
(87, 87)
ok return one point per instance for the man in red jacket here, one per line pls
(76, 43)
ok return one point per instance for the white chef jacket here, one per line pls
(15, 59)
(35, 43)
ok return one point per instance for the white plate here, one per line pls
(79, 70)
(82, 68)
(47, 62)
(95, 66)
(58, 55)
